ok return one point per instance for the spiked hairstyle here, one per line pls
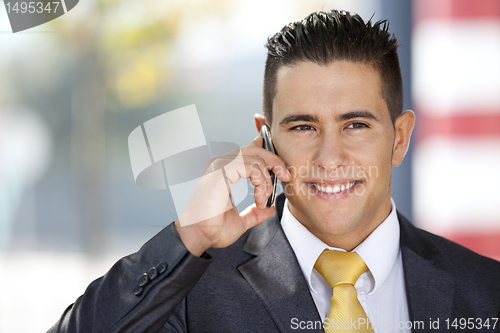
(324, 37)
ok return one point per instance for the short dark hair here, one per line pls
(324, 37)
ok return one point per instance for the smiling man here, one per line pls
(334, 254)
(331, 120)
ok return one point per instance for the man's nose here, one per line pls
(330, 151)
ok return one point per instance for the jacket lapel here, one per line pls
(429, 289)
(276, 277)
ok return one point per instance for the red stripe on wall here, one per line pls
(486, 244)
(451, 9)
(469, 124)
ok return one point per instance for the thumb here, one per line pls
(253, 216)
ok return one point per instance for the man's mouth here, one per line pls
(337, 188)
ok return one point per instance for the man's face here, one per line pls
(332, 128)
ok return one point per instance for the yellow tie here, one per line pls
(341, 270)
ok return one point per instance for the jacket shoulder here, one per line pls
(448, 255)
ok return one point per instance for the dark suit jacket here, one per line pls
(256, 285)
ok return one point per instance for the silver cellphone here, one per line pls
(268, 145)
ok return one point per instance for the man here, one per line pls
(333, 101)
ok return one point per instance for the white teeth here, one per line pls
(334, 189)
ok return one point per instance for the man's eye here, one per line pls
(302, 128)
(357, 125)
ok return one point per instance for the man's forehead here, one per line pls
(340, 65)
(341, 89)
(306, 76)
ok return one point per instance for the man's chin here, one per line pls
(328, 217)
(333, 232)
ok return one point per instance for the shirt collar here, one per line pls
(379, 250)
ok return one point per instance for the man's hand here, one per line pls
(210, 218)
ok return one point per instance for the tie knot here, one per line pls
(339, 267)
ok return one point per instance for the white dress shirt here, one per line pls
(381, 289)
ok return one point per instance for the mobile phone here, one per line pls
(268, 145)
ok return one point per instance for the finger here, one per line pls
(261, 191)
(255, 170)
(273, 162)
(258, 141)
(251, 167)
(253, 216)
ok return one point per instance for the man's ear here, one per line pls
(259, 121)
(403, 128)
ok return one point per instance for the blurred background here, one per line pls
(72, 90)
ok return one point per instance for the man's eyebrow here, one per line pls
(342, 117)
(298, 117)
(357, 114)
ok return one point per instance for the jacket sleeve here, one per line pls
(139, 292)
